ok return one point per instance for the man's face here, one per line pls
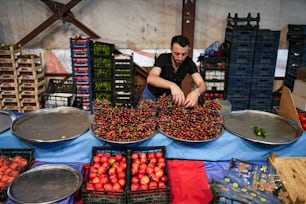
(179, 53)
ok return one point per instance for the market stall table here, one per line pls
(223, 148)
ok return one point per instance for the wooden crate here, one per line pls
(292, 173)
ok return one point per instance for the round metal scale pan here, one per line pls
(46, 183)
(194, 141)
(51, 124)
(121, 143)
(279, 129)
(6, 119)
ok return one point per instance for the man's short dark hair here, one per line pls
(181, 40)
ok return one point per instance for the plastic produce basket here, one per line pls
(10, 153)
(96, 196)
(60, 93)
(150, 195)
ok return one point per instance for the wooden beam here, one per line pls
(56, 15)
(69, 18)
(188, 21)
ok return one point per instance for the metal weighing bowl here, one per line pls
(46, 183)
(279, 129)
(121, 143)
(195, 141)
(51, 125)
(6, 119)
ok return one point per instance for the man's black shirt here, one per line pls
(167, 72)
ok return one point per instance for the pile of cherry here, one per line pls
(127, 124)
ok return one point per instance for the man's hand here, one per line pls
(192, 99)
(177, 95)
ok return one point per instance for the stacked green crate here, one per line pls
(102, 71)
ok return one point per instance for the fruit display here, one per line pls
(302, 117)
(10, 168)
(13, 162)
(126, 175)
(105, 179)
(197, 124)
(149, 180)
(124, 124)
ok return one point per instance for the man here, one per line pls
(168, 73)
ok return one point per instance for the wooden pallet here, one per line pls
(292, 173)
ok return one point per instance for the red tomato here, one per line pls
(303, 119)
(304, 126)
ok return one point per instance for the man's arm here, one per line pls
(154, 79)
(193, 96)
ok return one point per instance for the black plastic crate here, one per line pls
(212, 62)
(100, 95)
(266, 58)
(238, 82)
(151, 195)
(241, 58)
(102, 85)
(239, 104)
(296, 28)
(241, 46)
(266, 47)
(267, 36)
(61, 86)
(60, 92)
(95, 196)
(102, 48)
(27, 153)
(102, 72)
(262, 83)
(235, 70)
(238, 93)
(247, 22)
(263, 70)
(240, 35)
(102, 63)
(262, 104)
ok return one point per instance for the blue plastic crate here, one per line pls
(261, 93)
(239, 104)
(262, 82)
(238, 82)
(263, 104)
(267, 47)
(239, 70)
(241, 46)
(241, 58)
(240, 35)
(267, 35)
(265, 59)
(238, 94)
(263, 70)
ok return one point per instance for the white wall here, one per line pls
(141, 24)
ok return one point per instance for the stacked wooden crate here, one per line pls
(31, 78)
(9, 95)
(22, 80)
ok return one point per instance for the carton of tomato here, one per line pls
(302, 117)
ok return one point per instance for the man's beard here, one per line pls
(177, 64)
